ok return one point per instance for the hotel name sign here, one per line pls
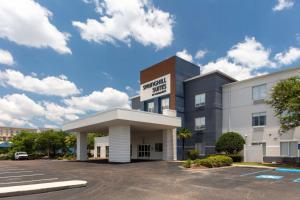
(156, 88)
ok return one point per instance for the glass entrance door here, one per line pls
(144, 151)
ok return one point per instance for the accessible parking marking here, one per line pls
(269, 177)
(257, 172)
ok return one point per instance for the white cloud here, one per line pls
(27, 23)
(6, 58)
(288, 57)
(131, 91)
(18, 110)
(59, 114)
(200, 54)
(185, 55)
(223, 64)
(250, 53)
(108, 75)
(283, 4)
(99, 100)
(124, 21)
(244, 60)
(51, 85)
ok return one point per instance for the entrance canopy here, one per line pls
(128, 130)
(137, 120)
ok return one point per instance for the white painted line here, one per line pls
(15, 172)
(39, 188)
(257, 172)
(11, 169)
(21, 176)
(38, 180)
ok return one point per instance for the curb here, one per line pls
(40, 188)
(254, 166)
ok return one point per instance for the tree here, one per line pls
(70, 141)
(184, 134)
(285, 100)
(50, 142)
(230, 143)
(23, 141)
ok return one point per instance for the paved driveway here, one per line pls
(159, 180)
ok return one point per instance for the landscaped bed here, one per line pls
(209, 162)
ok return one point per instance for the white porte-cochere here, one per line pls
(132, 134)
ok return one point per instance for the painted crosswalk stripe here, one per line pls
(17, 172)
(18, 176)
(38, 180)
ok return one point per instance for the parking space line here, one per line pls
(257, 172)
(11, 169)
(17, 172)
(26, 175)
(38, 180)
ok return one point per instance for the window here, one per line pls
(259, 119)
(259, 92)
(200, 100)
(158, 147)
(289, 149)
(165, 103)
(200, 148)
(150, 107)
(106, 151)
(200, 123)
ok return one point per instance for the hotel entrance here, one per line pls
(144, 151)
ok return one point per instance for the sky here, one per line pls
(63, 60)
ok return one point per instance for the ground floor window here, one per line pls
(107, 151)
(98, 152)
(289, 149)
(200, 148)
(158, 147)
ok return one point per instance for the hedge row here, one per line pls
(210, 162)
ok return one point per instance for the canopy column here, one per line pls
(81, 146)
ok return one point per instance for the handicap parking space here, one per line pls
(263, 174)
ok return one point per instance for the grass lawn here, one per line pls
(284, 165)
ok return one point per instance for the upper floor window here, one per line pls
(165, 103)
(150, 107)
(259, 92)
(200, 100)
(200, 123)
(259, 119)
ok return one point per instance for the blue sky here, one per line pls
(61, 60)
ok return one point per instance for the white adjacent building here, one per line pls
(245, 112)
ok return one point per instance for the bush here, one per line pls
(193, 154)
(188, 163)
(236, 157)
(214, 161)
(230, 143)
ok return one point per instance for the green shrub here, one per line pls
(214, 161)
(188, 163)
(193, 154)
(236, 157)
(230, 143)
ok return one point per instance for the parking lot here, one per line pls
(151, 180)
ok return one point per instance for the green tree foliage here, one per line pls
(285, 100)
(50, 142)
(230, 143)
(23, 141)
(70, 141)
(184, 134)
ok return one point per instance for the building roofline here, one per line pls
(133, 97)
(263, 76)
(209, 73)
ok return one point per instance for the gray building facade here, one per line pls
(186, 86)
